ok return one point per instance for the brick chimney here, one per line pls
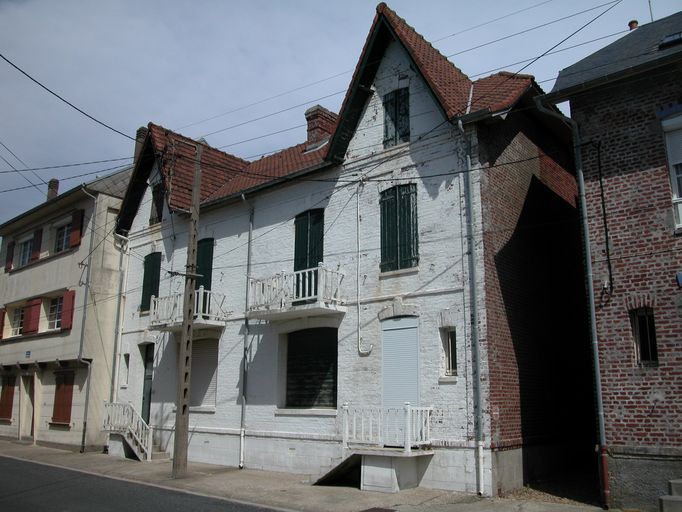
(321, 123)
(633, 24)
(139, 140)
(52, 188)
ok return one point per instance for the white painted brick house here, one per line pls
(335, 282)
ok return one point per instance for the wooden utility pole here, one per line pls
(184, 373)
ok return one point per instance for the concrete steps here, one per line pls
(672, 502)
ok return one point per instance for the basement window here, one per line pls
(644, 333)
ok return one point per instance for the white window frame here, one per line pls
(54, 318)
(24, 258)
(66, 239)
(450, 351)
(673, 141)
(17, 321)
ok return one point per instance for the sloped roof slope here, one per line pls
(449, 85)
(636, 51)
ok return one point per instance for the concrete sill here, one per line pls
(447, 379)
(401, 272)
(331, 413)
(5, 421)
(60, 424)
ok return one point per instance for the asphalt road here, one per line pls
(26, 486)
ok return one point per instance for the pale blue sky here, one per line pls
(175, 63)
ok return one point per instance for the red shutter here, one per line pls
(32, 316)
(9, 256)
(37, 242)
(67, 309)
(63, 395)
(76, 228)
(2, 321)
(7, 397)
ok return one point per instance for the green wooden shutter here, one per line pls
(408, 245)
(316, 238)
(403, 114)
(301, 226)
(205, 263)
(389, 119)
(150, 280)
(389, 230)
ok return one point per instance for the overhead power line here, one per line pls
(63, 99)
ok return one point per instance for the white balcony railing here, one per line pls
(404, 427)
(287, 289)
(122, 418)
(209, 306)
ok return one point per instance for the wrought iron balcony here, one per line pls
(311, 292)
(209, 310)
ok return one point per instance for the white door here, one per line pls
(400, 374)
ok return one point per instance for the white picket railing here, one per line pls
(123, 419)
(208, 305)
(282, 290)
(404, 427)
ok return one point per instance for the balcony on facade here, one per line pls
(210, 312)
(302, 293)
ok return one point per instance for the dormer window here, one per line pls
(396, 117)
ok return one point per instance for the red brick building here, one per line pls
(626, 100)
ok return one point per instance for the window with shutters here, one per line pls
(396, 117)
(204, 263)
(54, 314)
(63, 397)
(17, 322)
(399, 234)
(156, 214)
(311, 373)
(62, 238)
(150, 279)
(673, 141)
(204, 373)
(309, 242)
(25, 252)
(7, 397)
(644, 333)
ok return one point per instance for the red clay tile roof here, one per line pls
(499, 91)
(270, 168)
(448, 83)
(177, 162)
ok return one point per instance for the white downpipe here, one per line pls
(473, 298)
(122, 285)
(361, 351)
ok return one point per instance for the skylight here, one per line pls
(670, 40)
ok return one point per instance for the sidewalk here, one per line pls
(277, 490)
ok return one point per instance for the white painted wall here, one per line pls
(309, 441)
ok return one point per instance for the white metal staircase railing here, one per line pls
(122, 418)
(404, 427)
(319, 284)
(208, 305)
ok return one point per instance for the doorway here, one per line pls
(27, 424)
(148, 358)
(400, 374)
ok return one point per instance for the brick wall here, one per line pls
(538, 348)
(643, 405)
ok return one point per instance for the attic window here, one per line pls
(156, 214)
(670, 40)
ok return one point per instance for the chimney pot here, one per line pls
(52, 188)
(633, 24)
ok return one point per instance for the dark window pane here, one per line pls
(312, 368)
